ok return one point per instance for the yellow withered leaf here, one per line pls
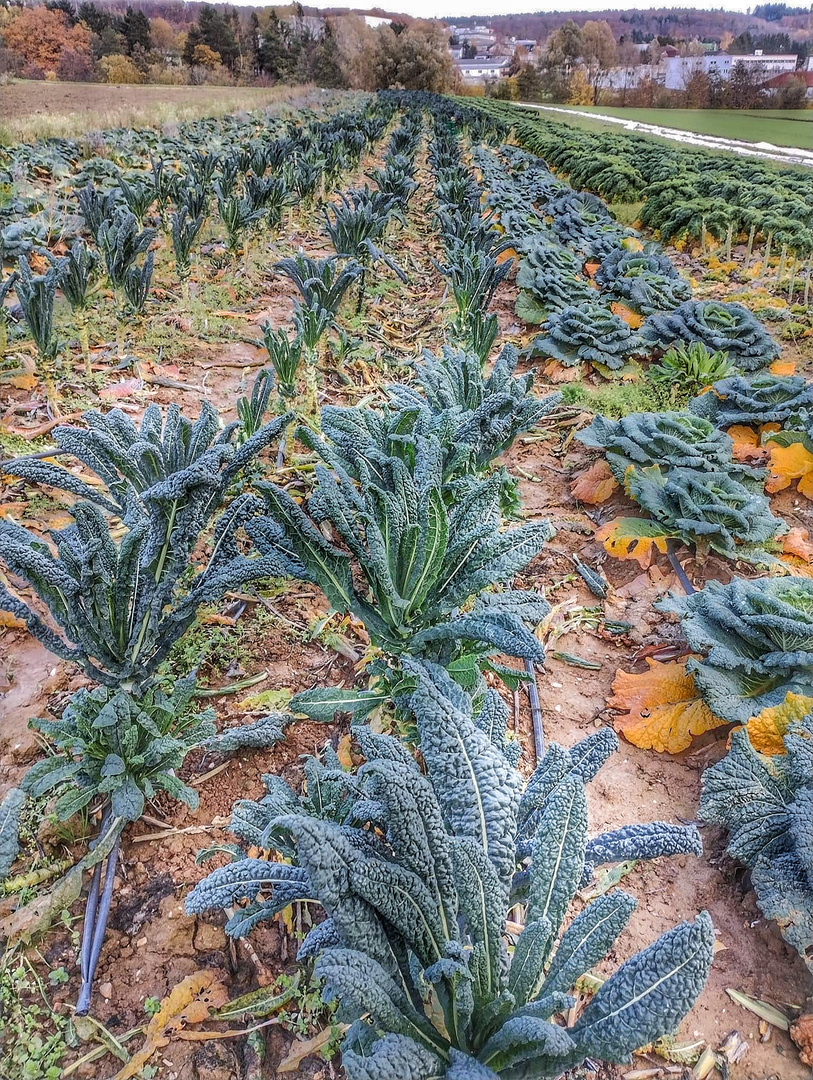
(783, 367)
(765, 730)
(187, 1003)
(788, 463)
(662, 709)
(633, 538)
(630, 317)
(595, 485)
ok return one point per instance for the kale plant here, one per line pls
(416, 882)
(755, 639)
(77, 279)
(760, 399)
(589, 333)
(766, 804)
(408, 561)
(729, 328)
(37, 294)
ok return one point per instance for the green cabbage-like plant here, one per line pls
(670, 440)
(755, 639)
(724, 327)
(766, 804)
(551, 278)
(760, 399)
(644, 280)
(712, 511)
(590, 333)
(416, 883)
(408, 561)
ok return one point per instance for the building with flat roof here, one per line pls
(478, 71)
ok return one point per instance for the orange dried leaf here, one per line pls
(590, 269)
(797, 567)
(797, 542)
(556, 372)
(746, 443)
(630, 317)
(783, 367)
(595, 485)
(788, 463)
(663, 709)
(765, 730)
(633, 538)
(187, 1003)
(504, 256)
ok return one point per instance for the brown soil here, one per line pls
(152, 944)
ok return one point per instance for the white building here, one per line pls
(475, 71)
(679, 69)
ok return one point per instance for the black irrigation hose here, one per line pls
(536, 711)
(688, 588)
(97, 913)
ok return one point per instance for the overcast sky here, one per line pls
(482, 8)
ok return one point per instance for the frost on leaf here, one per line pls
(662, 708)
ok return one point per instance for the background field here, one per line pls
(31, 110)
(782, 127)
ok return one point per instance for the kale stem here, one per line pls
(92, 942)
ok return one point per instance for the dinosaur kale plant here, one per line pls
(37, 294)
(77, 279)
(589, 333)
(766, 804)
(184, 230)
(416, 879)
(121, 242)
(729, 328)
(322, 284)
(551, 278)
(408, 561)
(644, 280)
(115, 598)
(755, 639)
(670, 440)
(760, 399)
(712, 511)
(6, 286)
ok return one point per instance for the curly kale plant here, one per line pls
(712, 511)
(760, 399)
(589, 333)
(416, 882)
(766, 804)
(552, 280)
(756, 642)
(729, 328)
(670, 439)
(644, 280)
(408, 560)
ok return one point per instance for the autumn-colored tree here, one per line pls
(580, 92)
(40, 37)
(599, 55)
(119, 69)
(164, 36)
(697, 91)
(415, 59)
(203, 56)
(562, 50)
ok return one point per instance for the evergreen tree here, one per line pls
(193, 39)
(217, 33)
(134, 27)
(96, 20)
(325, 67)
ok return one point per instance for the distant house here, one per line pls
(478, 71)
(778, 81)
(526, 45)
